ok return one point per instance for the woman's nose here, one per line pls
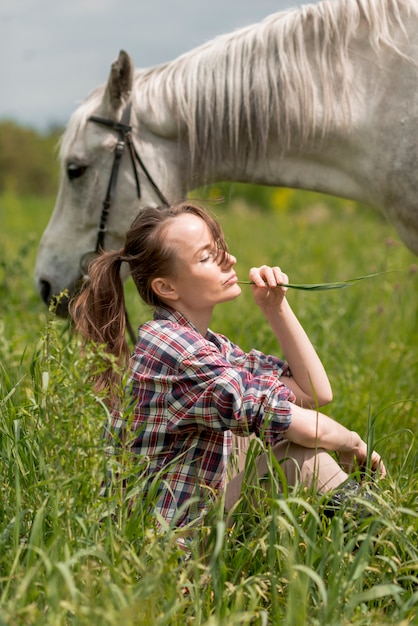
(229, 260)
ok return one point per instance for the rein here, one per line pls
(124, 130)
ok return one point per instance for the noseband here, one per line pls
(124, 130)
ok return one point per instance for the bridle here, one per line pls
(124, 130)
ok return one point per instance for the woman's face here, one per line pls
(200, 282)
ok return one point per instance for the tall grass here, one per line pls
(69, 555)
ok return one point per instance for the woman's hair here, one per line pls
(99, 310)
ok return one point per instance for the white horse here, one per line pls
(324, 97)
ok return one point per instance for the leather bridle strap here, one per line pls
(124, 130)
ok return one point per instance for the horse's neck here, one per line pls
(318, 145)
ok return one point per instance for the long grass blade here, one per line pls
(322, 286)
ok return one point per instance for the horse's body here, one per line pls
(324, 98)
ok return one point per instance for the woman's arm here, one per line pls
(309, 380)
(312, 429)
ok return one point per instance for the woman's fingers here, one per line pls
(348, 461)
(378, 465)
(281, 277)
(270, 276)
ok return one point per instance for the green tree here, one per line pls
(28, 160)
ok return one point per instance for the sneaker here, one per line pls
(343, 497)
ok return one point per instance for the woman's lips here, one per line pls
(231, 280)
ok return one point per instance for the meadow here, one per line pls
(69, 556)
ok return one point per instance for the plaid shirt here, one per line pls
(188, 394)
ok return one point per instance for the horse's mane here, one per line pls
(235, 91)
(239, 88)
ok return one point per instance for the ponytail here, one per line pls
(99, 310)
(99, 314)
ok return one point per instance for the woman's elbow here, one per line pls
(313, 398)
(320, 397)
(325, 397)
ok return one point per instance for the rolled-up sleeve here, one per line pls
(244, 395)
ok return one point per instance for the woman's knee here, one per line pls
(309, 466)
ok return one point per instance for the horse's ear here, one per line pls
(119, 84)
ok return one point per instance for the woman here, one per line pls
(191, 389)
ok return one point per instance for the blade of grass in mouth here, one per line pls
(323, 286)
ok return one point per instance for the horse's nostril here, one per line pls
(59, 305)
(45, 291)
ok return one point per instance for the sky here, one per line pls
(54, 52)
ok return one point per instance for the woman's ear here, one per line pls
(164, 289)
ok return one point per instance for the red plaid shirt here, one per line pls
(189, 394)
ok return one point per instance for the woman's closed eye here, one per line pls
(209, 255)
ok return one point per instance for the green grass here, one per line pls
(71, 557)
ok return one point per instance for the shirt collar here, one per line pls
(166, 313)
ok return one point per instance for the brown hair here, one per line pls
(99, 310)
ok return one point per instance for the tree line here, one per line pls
(28, 160)
(29, 166)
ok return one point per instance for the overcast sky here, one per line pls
(54, 52)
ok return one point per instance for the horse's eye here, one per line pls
(75, 171)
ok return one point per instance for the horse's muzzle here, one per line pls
(58, 304)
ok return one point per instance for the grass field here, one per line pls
(69, 556)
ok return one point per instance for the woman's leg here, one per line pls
(310, 467)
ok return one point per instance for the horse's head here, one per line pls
(91, 173)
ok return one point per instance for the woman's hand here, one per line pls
(358, 455)
(309, 380)
(312, 429)
(267, 293)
